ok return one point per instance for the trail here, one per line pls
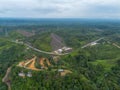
(6, 78)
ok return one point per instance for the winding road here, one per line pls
(38, 50)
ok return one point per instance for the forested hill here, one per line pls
(93, 63)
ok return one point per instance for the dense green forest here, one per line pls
(95, 67)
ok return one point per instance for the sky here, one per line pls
(60, 8)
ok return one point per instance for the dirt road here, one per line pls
(6, 79)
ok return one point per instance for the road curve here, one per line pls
(50, 53)
(38, 50)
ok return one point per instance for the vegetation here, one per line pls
(96, 67)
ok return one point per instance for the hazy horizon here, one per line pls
(101, 9)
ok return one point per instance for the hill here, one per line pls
(94, 67)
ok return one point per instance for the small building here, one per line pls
(27, 48)
(17, 40)
(60, 50)
(67, 49)
(42, 67)
(29, 74)
(60, 70)
(94, 43)
(21, 74)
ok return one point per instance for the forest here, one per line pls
(95, 67)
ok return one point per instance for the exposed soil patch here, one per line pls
(56, 42)
(30, 64)
(43, 61)
(65, 72)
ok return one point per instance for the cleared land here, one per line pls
(65, 72)
(30, 64)
(56, 42)
(43, 61)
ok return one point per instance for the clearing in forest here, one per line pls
(32, 66)
(43, 61)
(65, 72)
(29, 64)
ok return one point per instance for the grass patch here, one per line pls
(107, 64)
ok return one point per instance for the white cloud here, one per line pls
(60, 8)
